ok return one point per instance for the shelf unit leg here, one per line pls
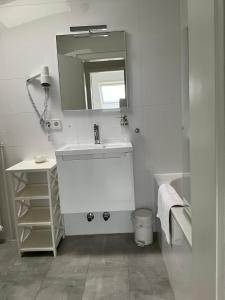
(55, 252)
(63, 224)
(12, 187)
(51, 212)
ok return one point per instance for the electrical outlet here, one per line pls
(54, 124)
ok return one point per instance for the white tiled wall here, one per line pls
(153, 43)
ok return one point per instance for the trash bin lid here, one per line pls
(143, 213)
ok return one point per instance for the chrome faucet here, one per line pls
(96, 134)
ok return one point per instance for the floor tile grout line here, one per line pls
(129, 286)
(88, 268)
(103, 252)
(43, 278)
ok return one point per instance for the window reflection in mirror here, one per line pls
(92, 71)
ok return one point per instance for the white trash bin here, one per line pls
(142, 221)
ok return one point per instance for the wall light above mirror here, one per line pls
(92, 70)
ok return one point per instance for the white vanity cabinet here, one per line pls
(38, 220)
(96, 178)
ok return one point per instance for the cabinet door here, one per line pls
(96, 184)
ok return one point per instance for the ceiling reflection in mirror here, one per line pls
(92, 70)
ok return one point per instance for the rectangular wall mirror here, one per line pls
(92, 70)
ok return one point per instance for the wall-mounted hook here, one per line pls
(136, 130)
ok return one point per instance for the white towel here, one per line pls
(167, 198)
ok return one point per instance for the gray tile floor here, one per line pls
(88, 268)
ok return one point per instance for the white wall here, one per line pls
(185, 96)
(206, 66)
(153, 41)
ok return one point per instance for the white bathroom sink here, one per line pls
(87, 149)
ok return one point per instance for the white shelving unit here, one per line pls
(38, 219)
